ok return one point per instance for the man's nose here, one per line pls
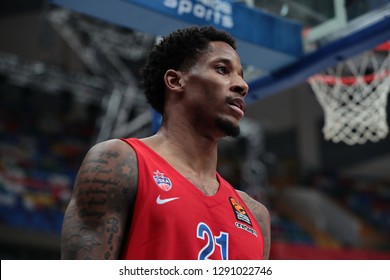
(240, 87)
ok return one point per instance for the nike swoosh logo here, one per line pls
(165, 200)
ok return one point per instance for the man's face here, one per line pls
(215, 90)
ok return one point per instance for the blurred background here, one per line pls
(69, 80)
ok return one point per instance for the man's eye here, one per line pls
(222, 69)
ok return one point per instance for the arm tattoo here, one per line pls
(96, 217)
(112, 230)
(78, 241)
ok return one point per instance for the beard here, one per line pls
(228, 127)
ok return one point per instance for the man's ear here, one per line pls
(173, 80)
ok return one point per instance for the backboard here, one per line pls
(325, 21)
(333, 31)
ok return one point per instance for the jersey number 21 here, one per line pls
(222, 241)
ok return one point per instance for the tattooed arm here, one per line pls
(95, 220)
(262, 217)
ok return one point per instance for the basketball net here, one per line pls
(353, 96)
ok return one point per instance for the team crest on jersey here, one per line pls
(240, 211)
(162, 182)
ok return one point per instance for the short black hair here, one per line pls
(177, 51)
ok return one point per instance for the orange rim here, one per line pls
(349, 80)
(383, 47)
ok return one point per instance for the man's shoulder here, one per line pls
(112, 152)
(256, 207)
(117, 145)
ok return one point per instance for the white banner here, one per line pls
(121, 270)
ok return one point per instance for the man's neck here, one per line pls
(186, 150)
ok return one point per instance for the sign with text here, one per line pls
(264, 40)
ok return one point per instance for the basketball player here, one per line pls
(161, 197)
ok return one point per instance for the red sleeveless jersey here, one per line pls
(173, 219)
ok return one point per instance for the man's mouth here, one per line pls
(238, 105)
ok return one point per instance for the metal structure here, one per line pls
(111, 55)
(109, 51)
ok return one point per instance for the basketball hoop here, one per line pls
(353, 96)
